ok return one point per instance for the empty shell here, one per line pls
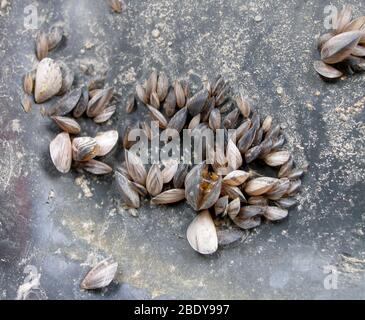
(67, 124)
(276, 159)
(128, 193)
(106, 142)
(48, 81)
(169, 197)
(84, 148)
(154, 180)
(202, 234)
(61, 152)
(101, 275)
(260, 186)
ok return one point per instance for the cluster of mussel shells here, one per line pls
(343, 49)
(55, 78)
(227, 204)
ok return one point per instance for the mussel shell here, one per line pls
(84, 149)
(129, 195)
(326, 70)
(202, 234)
(81, 105)
(340, 47)
(106, 141)
(67, 78)
(197, 102)
(61, 152)
(48, 81)
(54, 37)
(67, 124)
(66, 104)
(101, 275)
(99, 102)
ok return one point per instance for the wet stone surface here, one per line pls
(53, 227)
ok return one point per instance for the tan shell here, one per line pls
(202, 234)
(48, 81)
(106, 141)
(61, 152)
(101, 275)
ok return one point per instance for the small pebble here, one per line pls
(155, 33)
(280, 90)
(258, 18)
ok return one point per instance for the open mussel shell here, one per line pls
(106, 141)
(326, 70)
(340, 47)
(202, 234)
(67, 124)
(48, 81)
(101, 275)
(129, 195)
(99, 102)
(169, 197)
(84, 149)
(202, 188)
(61, 152)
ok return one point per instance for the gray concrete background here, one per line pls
(49, 226)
